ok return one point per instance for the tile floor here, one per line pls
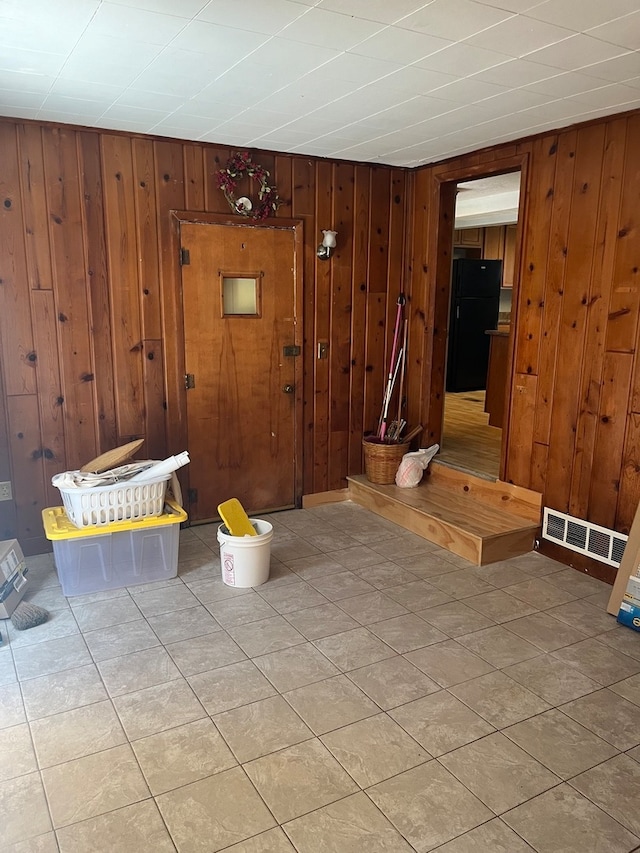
(377, 694)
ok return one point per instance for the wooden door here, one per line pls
(239, 291)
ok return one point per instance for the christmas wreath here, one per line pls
(240, 166)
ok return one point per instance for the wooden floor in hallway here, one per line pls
(468, 442)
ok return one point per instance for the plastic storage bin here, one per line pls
(102, 505)
(123, 554)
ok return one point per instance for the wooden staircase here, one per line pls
(481, 520)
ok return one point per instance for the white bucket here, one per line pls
(245, 559)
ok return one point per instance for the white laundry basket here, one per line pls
(245, 559)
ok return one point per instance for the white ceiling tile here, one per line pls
(634, 82)
(122, 112)
(624, 32)
(103, 59)
(50, 35)
(452, 121)
(329, 29)
(224, 43)
(283, 135)
(266, 118)
(415, 80)
(382, 11)
(254, 15)
(313, 149)
(468, 90)
(298, 57)
(157, 78)
(29, 100)
(318, 124)
(509, 102)
(349, 68)
(131, 126)
(454, 19)
(195, 125)
(520, 36)
(90, 109)
(575, 52)
(589, 13)
(516, 72)
(140, 98)
(185, 8)
(67, 118)
(565, 85)
(128, 22)
(618, 69)
(12, 111)
(292, 101)
(37, 10)
(31, 62)
(83, 90)
(346, 135)
(463, 60)
(27, 83)
(559, 109)
(510, 5)
(395, 44)
(612, 95)
(219, 138)
(253, 77)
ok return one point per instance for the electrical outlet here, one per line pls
(5, 491)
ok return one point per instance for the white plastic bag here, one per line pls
(414, 465)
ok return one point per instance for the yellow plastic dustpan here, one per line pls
(236, 519)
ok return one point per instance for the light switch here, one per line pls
(323, 349)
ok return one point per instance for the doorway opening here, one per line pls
(480, 323)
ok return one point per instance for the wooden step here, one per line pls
(479, 520)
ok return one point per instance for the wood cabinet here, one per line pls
(498, 242)
(497, 377)
(468, 237)
(509, 257)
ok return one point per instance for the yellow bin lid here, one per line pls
(57, 525)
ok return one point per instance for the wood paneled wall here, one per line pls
(89, 293)
(574, 417)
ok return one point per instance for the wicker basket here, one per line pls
(381, 460)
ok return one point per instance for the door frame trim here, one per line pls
(173, 328)
(445, 179)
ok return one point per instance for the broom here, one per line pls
(28, 616)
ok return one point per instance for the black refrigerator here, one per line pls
(475, 302)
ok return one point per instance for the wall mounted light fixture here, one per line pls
(325, 249)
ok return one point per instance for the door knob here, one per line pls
(288, 389)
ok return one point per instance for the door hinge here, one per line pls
(189, 381)
(291, 349)
(185, 258)
(192, 495)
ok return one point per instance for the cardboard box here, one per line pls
(11, 559)
(11, 593)
(13, 581)
(632, 592)
(629, 566)
(629, 615)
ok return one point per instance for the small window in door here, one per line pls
(240, 294)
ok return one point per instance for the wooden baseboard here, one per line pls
(321, 498)
(580, 562)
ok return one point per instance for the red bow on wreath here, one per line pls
(240, 166)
